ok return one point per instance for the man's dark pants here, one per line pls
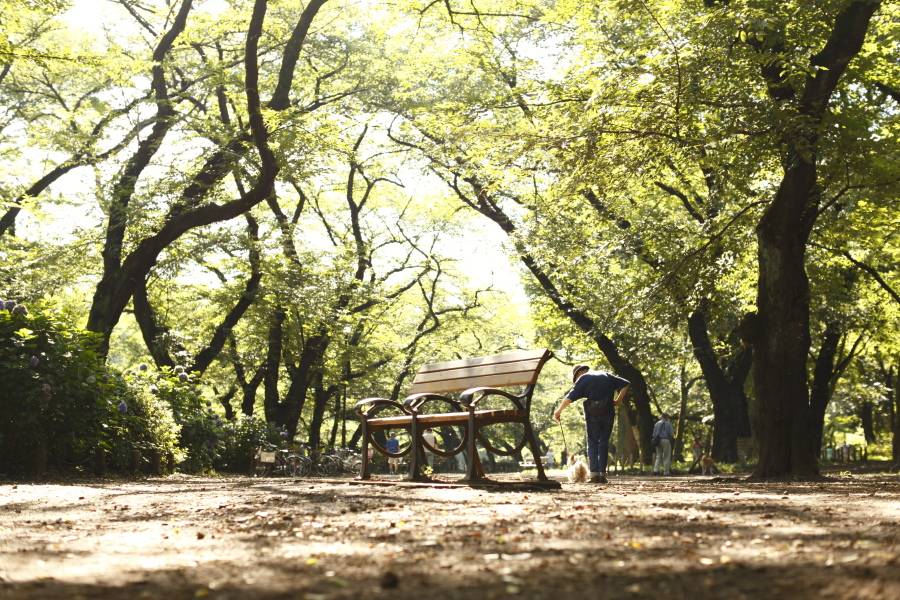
(599, 429)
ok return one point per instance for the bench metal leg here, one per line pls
(474, 468)
(365, 472)
(416, 452)
(532, 443)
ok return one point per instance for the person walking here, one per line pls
(430, 441)
(598, 389)
(393, 445)
(666, 434)
(697, 447)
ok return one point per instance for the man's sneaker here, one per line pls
(598, 478)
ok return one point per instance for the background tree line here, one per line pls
(276, 196)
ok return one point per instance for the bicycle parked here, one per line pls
(271, 460)
(325, 465)
(350, 461)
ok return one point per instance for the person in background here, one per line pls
(666, 434)
(550, 457)
(697, 447)
(393, 445)
(429, 438)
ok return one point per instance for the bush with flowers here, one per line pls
(198, 430)
(56, 391)
(206, 441)
(138, 420)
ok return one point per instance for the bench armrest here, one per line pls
(366, 406)
(469, 400)
(414, 402)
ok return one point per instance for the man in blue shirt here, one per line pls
(597, 388)
(393, 445)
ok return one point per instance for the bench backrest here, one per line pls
(515, 368)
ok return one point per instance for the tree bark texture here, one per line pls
(782, 336)
(726, 390)
(820, 392)
(895, 420)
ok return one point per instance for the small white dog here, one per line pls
(578, 471)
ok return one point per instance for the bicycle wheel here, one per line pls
(353, 466)
(337, 466)
(304, 466)
(328, 466)
(262, 469)
(292, 465)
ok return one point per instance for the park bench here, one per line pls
(477, 379)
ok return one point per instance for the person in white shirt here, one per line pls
(429, 438)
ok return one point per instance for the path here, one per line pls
(684, 537)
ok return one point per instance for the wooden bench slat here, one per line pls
(399, 421)
(456, 385)
(526, 368)
(484, 360)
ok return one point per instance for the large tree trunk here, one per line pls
(781, 337)
(895, 418)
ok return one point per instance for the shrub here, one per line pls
(56, 390)
(49, 394)
(241, 437)
(135, 419)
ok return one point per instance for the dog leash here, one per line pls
(565, 445)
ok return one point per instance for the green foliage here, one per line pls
(50, 390)
(205, 442)
(56, 390)
(135, 419)
(240, 437)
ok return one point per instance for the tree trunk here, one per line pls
(867, 421)
(781, 344)
(685, 387)
(781, 337)
(820, 392)
(271, 397)
(895, 421)
(726, 390)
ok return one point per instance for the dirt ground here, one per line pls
(638, 537)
